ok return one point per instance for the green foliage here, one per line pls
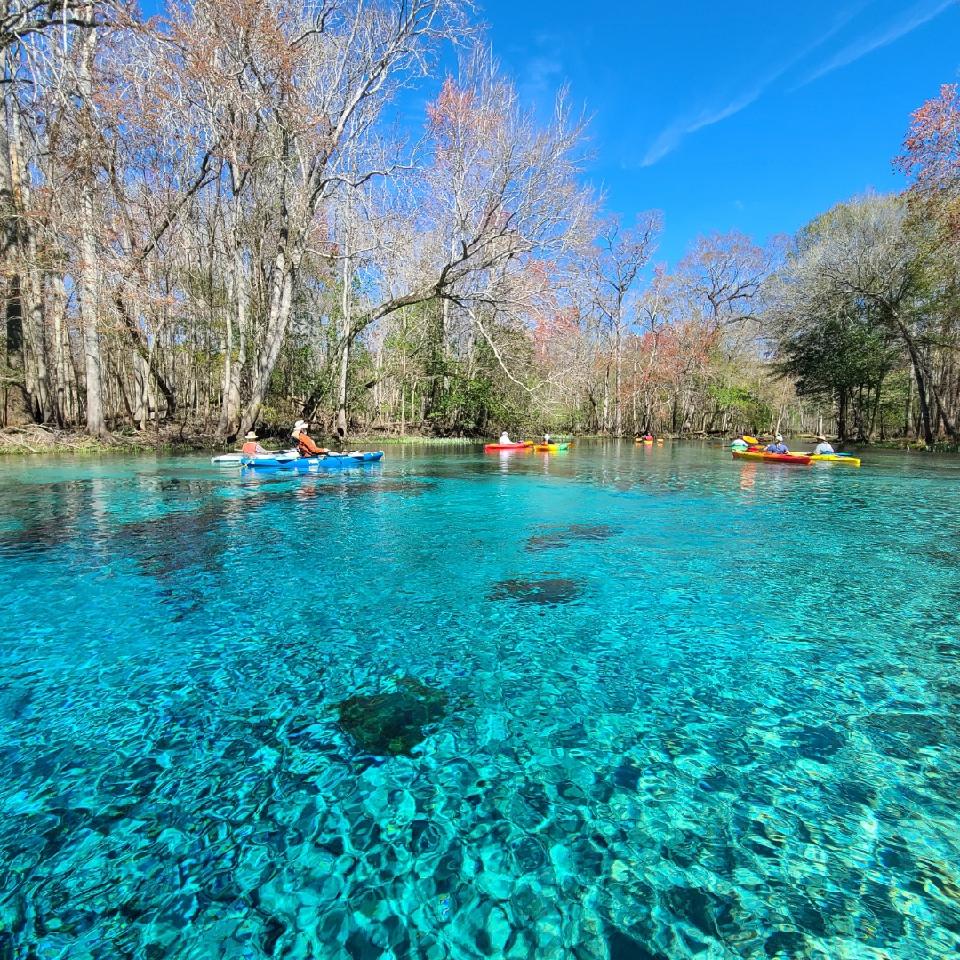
(836, 355)
(743, 405)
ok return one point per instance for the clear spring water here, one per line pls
(620, 702)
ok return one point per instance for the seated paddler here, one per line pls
(305, 444)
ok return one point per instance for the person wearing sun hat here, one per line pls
(823, 446)
(251, 448)
(305, 444)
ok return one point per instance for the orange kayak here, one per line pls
(488, 447)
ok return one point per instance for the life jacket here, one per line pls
(307, 447)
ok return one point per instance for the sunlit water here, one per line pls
(620, 702)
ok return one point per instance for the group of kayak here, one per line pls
(547, 445)
(750, 448)
(306, 455)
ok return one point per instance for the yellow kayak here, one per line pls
(550, 447)
(835, 458)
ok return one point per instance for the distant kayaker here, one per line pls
(251, 448)
(823, 446)
(546, 438)
(778, 446)
(505, 439)
(306, 446)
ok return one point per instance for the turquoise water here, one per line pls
(620, 702)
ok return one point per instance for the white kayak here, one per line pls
(234, 459)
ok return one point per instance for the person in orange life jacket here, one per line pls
(251, 448)
(305, 444)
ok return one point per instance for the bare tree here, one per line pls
(621, 255)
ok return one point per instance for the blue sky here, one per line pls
(748, 115)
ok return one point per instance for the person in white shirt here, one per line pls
(505, 438)
(823, 446)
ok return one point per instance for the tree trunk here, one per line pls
(920, 375)
(88, 267)
(345, 318)
(237, 312)
(617, 381)
(278, 319)
(26, 346)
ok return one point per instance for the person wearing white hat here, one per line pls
(251, 448)
(305, 445)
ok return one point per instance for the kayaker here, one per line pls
(546, 438)
(778, 446)
(251, 448)
(305, 445)
(823, 446)
(505, 439)
(739, 444)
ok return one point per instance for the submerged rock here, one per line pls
(350, 488)
(546, 541)
(596, 531)
(575, 532)
(548, 591)
(392, 724)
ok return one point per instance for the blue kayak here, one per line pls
(282, 462)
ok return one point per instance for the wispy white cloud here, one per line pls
(670, 138)
(917, 16)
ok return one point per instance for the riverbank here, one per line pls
(36, 439)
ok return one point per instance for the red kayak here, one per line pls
(796, 458)
(489, 447)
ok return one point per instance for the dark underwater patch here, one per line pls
(392, 724)
(546, 541)
(46, 515)
(576, 532)
(546, 592)
(624, 947)
(354, 489)
(163, 546)
(819, 743)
